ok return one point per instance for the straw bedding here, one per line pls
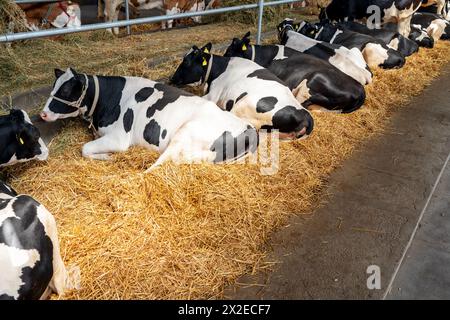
(185, 232)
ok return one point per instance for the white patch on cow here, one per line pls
(375, 54)
(318, 33)
(423, 34)
(172, 11)
(351, 62)
(74, 12)
(60, 21)
(436, 29)
(280, 54)
(299, 41)
(12, 261)
(338, 32)
(394, 44)
(152, 4)
(197, 7)
(343, 62)
(302, 91)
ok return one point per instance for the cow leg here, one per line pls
(116, 18)
(100, 9)
(404, 26)
(102, 148)
(186, 147)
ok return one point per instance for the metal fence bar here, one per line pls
(127, 15)
(107, 25)
(33, 1)
(260, 18)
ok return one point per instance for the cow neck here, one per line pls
(264, 55)
(216, 66)
(326, 33)
(91, 100)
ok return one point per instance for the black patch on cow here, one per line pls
(241, 96)
(144, 94)
(266, 104)
(170, 94)
(229, 105)
(6, 297)
(4, 188)
(264, 74)
(163, 134)
(4, 203)
(108, 106)
(25, 231)
(152, 132)
(128, 120)
(229, 148)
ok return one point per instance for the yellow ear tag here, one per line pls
(204, 62)
(244, 47)
(206, 50)
(21, 140)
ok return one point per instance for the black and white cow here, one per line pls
(31, 266)
(375, 52)
(440, 7)
(127, 111)
(247, 90)
(435, 26)
(314, 82)
(20, 140)
(398, 11)
(349, 61)
(392, 39)
(421, 37)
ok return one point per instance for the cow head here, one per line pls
(20, 140)
(286, 25)
(309, 29)
(240, 47)
(421, 37)
(193, 68)
(66, 14)
(68, 91)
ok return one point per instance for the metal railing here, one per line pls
(129, 22)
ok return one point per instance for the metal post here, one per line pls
(260, 17)
(127, 15)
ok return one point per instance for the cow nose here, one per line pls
(307, 125)
(44, 115)
(293, 120)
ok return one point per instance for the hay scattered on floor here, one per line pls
(12, 18)
(184, 232)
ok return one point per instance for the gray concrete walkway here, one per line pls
(377, 199)
(425, 270)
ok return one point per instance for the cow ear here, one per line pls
(207, 48)
(247, 35)
(16, 115)
(73, 71)
(58, 73)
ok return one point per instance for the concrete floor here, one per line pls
(377, 199)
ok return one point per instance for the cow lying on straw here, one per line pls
(128, 111)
